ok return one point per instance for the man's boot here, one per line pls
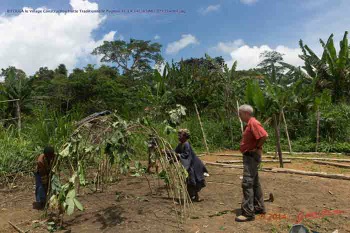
(242, 218)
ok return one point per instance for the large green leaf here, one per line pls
(66, 150)
(70, 207)
(258, 98)
(71, 194)
(327, 54)
(55, 184)
(78, 204)
(81, 172)
(344, 52)
(249, 93)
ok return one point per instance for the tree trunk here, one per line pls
(278, 139)
(287, 134)
(200, 123)
(18, 107)
(318, 115)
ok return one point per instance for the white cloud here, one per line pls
(249, 2)
(209, 9)
(249, 57)
(30, 41)
(156, 37)
(228, 47)
(176, 46)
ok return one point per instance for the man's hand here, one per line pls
(258, 151)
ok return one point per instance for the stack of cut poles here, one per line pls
(237, 163)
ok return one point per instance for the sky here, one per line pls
(237, 30)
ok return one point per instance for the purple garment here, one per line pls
(192, 164)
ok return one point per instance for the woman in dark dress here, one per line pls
(193, 165)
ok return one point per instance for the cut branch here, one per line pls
(287, 134)
(333, 164)
(307, 173)
(278, 140)
(264, 161)
(318, 115)
(16, 227)
(239, 117)
(200, 123)
(305, 153)
(223, 165)
(310, 158)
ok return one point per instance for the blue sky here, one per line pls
(235, 29)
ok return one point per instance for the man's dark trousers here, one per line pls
(253, 198)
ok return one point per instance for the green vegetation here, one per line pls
(48, 104)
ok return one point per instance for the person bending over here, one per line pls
(193, 165)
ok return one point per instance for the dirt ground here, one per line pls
(128, 206)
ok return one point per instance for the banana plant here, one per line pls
(270, 103)
(331, 69)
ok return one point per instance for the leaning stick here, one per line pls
(16, 227)
(201, 125)
(240, 120)
(287, 133)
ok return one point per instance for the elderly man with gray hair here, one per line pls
(254, 136)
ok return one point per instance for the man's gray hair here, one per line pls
(246, 108)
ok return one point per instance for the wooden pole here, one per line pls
(18, 107)
(318, 115)
(307, 153)
(287, 134)
(333, 164)
(223, 165)
(307, 173)
(10, 119)
(289, 171)
(278, 142)
(200, 123)
(239, 117)
(311, 158)
(16, 227)
(4, 101)
(263, 161)
(228, 112)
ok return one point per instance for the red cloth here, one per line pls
(252, 133)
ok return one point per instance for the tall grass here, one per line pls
(18, 153)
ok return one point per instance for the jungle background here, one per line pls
(311, 103)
